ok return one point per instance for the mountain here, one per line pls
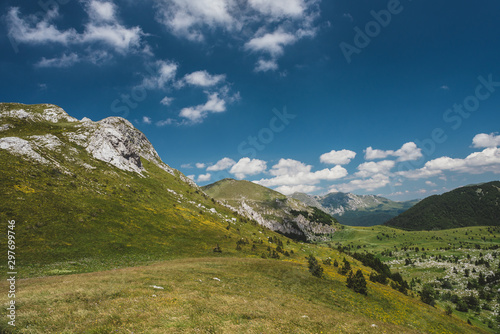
(273, 209)
(474, 205)
(356, 210)
(97, 194)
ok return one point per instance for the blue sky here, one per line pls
(396, 98)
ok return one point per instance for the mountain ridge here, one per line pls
(472, 205)
(356, 210)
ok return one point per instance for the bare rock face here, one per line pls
(113, 140)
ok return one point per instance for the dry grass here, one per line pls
(252, 296)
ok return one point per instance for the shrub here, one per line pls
(428, 295)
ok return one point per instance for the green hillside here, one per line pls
(274, 210)
(475, 205)
(72, 218)
(233, 191)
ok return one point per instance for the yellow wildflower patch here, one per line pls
(24, 189)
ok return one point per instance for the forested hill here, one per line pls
(475, 205)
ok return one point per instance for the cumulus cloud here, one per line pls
(202, 79)
(204, 177)
(164, 73)
(197, 113)
(146, 120)
(289, 172)
(189, 18)
(102, 29)
(200, 165)
(484, 140)
(266, 65)
(222, 164)
(59, 62)
(262, 26)
(407, 152)
(101, 11)
(288, 190)
(166, 101)
(272, 43)
(375, 182)
(371, 168)
(343, 157)
(279, 8)
(247, 167)
(487, 160)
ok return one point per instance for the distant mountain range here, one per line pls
(356, 210)
(473, 205)
(273, 210)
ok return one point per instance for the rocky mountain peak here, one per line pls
(113, 140)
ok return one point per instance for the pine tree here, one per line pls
(314, 268)
(357, 282)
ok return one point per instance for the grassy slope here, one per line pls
(252, 296)
(105, 217)
(476, 205)
(229, 189)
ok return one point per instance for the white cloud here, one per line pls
(202, 79)
(146, 120)
(191, 177)
(102, 27)
(165, 72)
(484, 140)
(30, 31)
(272, 43)
(343, 157)
(189, 18)
(279, 8)
(262, 26)
(372, 154)
(222, 164)
(101, 11)
(200, 165)
(204, 177)
(288, 190)
(371, 168)
(487, 160)
(289, 172)
(197, 113)
(164, 122)
(407, 152)
(430, 184)
(247, 167)
(59, 62)
(375, 182)
(115, 35)
(166, 101)
(266, 65)
(186, 166)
